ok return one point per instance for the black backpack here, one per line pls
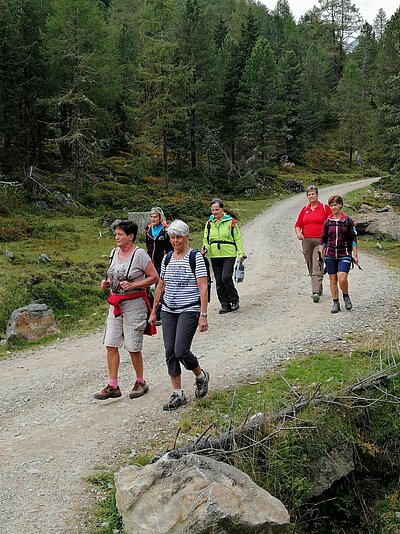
(192, 262)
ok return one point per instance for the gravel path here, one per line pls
(52, 431)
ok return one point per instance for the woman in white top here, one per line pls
(183, 292)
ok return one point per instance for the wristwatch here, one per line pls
(203, 314)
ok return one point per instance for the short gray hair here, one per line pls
(178, 228)
(158, 211)
(312, 187)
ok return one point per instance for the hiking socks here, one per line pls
(201, 376)
(113, 382)
(140, 379)
(178, 392)
(345, 295)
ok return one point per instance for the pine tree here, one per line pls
(315, 86)
(290, 74)
(283, 27)
(125, 41)
(194, 53)
(260, 110)
(162, 109)
(353, 109)
(22, 85)
(236, 56)
(81, 81)
(380, 22)
(387, 94)
(344, 22)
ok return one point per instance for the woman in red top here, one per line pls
(308, 229)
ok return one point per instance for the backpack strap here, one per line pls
(233, 224)
(192, 260)
(168, 258)
(130, 263)
(111, 257)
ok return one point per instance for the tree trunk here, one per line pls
(193, 158)
(165, 159)
(351, 156)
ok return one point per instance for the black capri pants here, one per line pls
(178, 331)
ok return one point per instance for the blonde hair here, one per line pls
(158, 211)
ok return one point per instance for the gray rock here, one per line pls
(32, 322)
(10, 255)
(43, 258)
(385, 225)
(141, 218)
(366, 207)
(195, 495)
(388, 207)
(327, 469)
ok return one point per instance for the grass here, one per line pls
(331, 371)
(107, 520)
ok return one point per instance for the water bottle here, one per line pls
(238, 273)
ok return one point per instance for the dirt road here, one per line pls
(52, 431)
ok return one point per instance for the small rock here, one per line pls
(43, 258)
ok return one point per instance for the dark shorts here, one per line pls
(339, 265)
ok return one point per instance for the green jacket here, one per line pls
(218, 238)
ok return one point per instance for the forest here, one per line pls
(196, 95)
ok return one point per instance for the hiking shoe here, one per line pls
(235, 306)
(139, 389)
(224, 310)
(315, 297)
(335, 307)
(202, 386)
(108, 393)
(176, 401)
(347, 302)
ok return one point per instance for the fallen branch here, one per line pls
(223, 444)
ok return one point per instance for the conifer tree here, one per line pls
(387, 94)
(260, 111)
(315, 86)
(236, 57)
(194, 53)
(22, 82)
(81, 82)
(344, 21)
(380, 22)
(125, 40)
(290, 74)
(162, 109)
(353, 109)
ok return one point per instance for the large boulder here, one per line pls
(141, 218)
(380, 224)
(195, 495)
(31, 323)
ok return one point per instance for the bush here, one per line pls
(14, 229)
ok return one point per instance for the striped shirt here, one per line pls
(180, 284)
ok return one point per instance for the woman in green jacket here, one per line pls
(223, 243)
